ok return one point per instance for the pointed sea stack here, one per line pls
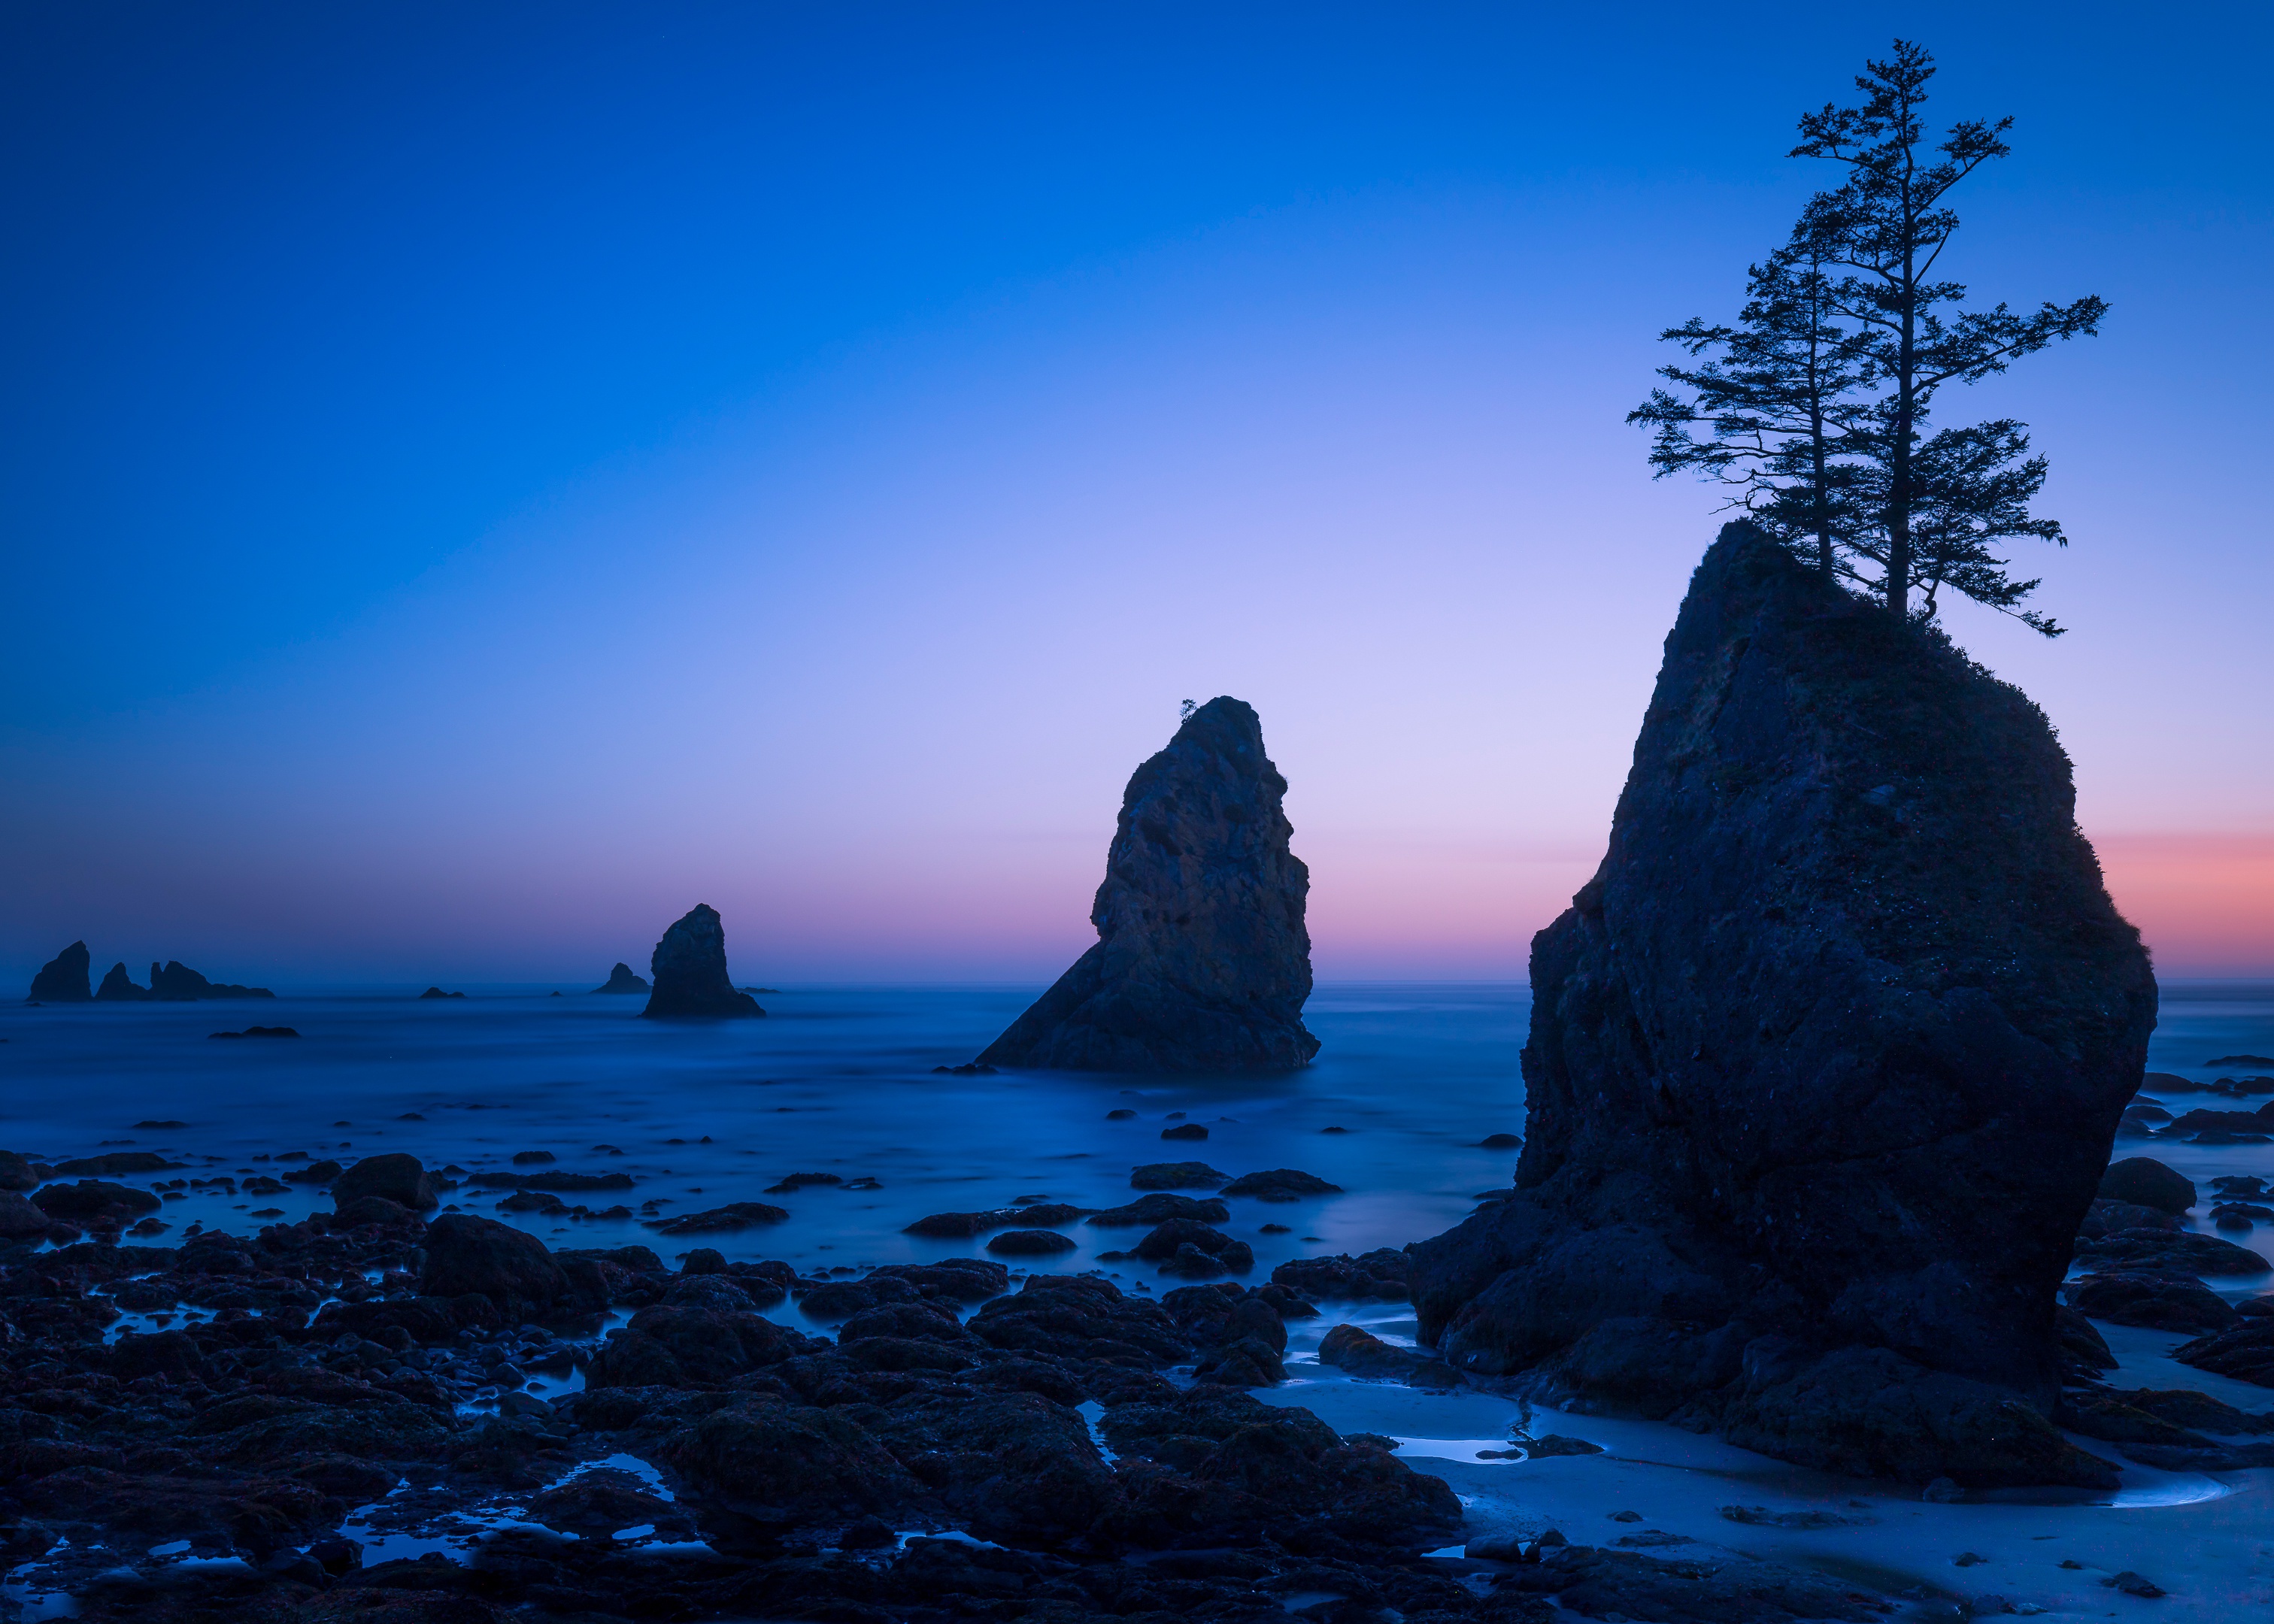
(1825, 1062)
(62, 979)
(118, 988)
(689, 967)
(1202, 963)
(620, 979)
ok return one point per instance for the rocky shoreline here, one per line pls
(389, 1418)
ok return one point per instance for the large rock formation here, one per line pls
(689, 967)
(1202, 963)
(176, 983)
(118, 988)
(1824, 1064)
(620, 979)
(62, 979)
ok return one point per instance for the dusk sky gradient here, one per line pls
(478, 480)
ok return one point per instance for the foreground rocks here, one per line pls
(1825, 1062)
(689, 966)
(1202, 962)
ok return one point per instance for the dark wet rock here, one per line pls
(62, 979)
(2245, 1350)
(1194, 1249)
(2081, 1343)
(17, 1172)
(908, 1320)
(394, 1177)
(1378, 1275)
(1713, 1588)
(950, 1279)
(2145, 1182)
(20, 1220)
(533, 1158)
(111, 1163)
(93, 1198)
(689, 967)
(1121, 1114)
(315, 1173)
(721, 1219)
(176, 983)
(1031, 1244)
(596, 1504)
(2105, 1217)
(1845, 866)
(466, 1255)
(379, 1210)
(2158, 1302)
(2170, 1252)
(1158, 1208)
(1215, 1466)
(1176, 1176)
(1185, 1131)
(621, 981)
(1280, 1185)
(757, 1469)
(1080, 1317)
(118, 988)
(1016, 1467)
(796, 1182)
(1361, 1353)
(1202, 962)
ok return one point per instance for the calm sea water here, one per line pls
(839, 1080)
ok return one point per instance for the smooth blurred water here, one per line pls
(839, 1080)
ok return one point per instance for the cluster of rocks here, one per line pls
(367, 1373)
(64, 979)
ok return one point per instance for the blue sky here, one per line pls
(493, 476)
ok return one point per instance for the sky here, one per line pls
(477, 480)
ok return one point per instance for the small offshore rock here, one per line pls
(436, 992)
(718, 1220)
(1030, 1243)
(1280, 1185)
(622, 982)
(395, 1176)
(1185, 1131)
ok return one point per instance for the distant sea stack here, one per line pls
(64, 979)
(1202, 962)
(689, 967)
(176, 983)
(118, 988)
(620, 979)
(1825, 1062)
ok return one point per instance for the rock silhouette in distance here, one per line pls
(118, 988)
(1825, 1062)
(176, 983)
(620, 979)
(1202, 961)
(689, 967)
(62, 979)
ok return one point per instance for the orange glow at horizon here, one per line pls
(2205, 902)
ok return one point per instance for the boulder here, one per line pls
(62, 979)
(480, 1256)
(395, 1176)
(20, 1220)
(621, 981)
(17, 1172)
(93, 1198)
(1280, 1185)
(1825, 1061)
(721, 1219)
(2145, 1182)
(689, 966)
(2158, 1302)
(118, 988)
(1202, 961)
(1176, 1176)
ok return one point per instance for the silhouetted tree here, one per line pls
(1777, 411)
(1939, 502)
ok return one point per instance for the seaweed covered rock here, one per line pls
(64, 979)
(1202, 961)
(1825, 1062)
(689, 966)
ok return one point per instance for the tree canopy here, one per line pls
(1815, 405)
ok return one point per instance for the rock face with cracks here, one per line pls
(1202, 961)
(1825, 1062)
(689, 968)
